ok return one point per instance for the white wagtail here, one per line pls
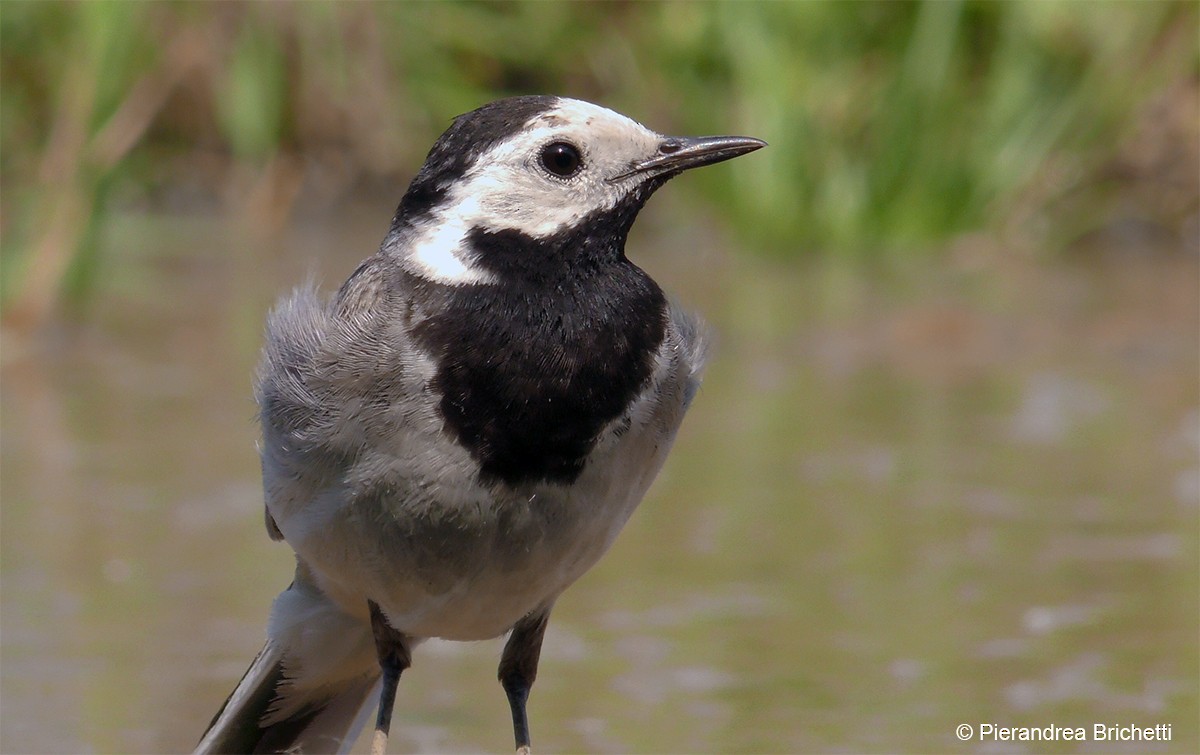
(461, 431)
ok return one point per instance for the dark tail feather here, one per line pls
(313, 698)
(328, 721)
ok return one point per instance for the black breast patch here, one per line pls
(533, 367)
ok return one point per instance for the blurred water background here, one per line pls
(944, 468)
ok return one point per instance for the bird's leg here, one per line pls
(518, 669)
(394, 656)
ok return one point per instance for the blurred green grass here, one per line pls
(894, 127)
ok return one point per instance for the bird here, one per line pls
(461, 430)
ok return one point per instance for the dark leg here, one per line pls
(394, 657)
(518, 669)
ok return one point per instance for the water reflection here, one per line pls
(903, 501)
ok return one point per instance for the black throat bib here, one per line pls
(533, 366)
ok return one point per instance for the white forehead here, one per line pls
(601, 133)
(507, 189)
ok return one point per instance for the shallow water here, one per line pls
(961, 492)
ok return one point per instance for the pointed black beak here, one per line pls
(679, 153)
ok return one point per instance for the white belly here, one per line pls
(465, 562)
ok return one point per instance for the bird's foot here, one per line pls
(379, 742)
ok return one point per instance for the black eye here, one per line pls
(561, 159)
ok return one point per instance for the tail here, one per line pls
(310, 689)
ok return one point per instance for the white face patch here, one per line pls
(438, 251)
(508, 188)
(515, 191)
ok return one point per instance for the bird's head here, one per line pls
(537, 173)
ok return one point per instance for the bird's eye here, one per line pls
(561, 159)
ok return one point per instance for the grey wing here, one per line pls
(330, 373)
(678, 372)
(690, 339)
